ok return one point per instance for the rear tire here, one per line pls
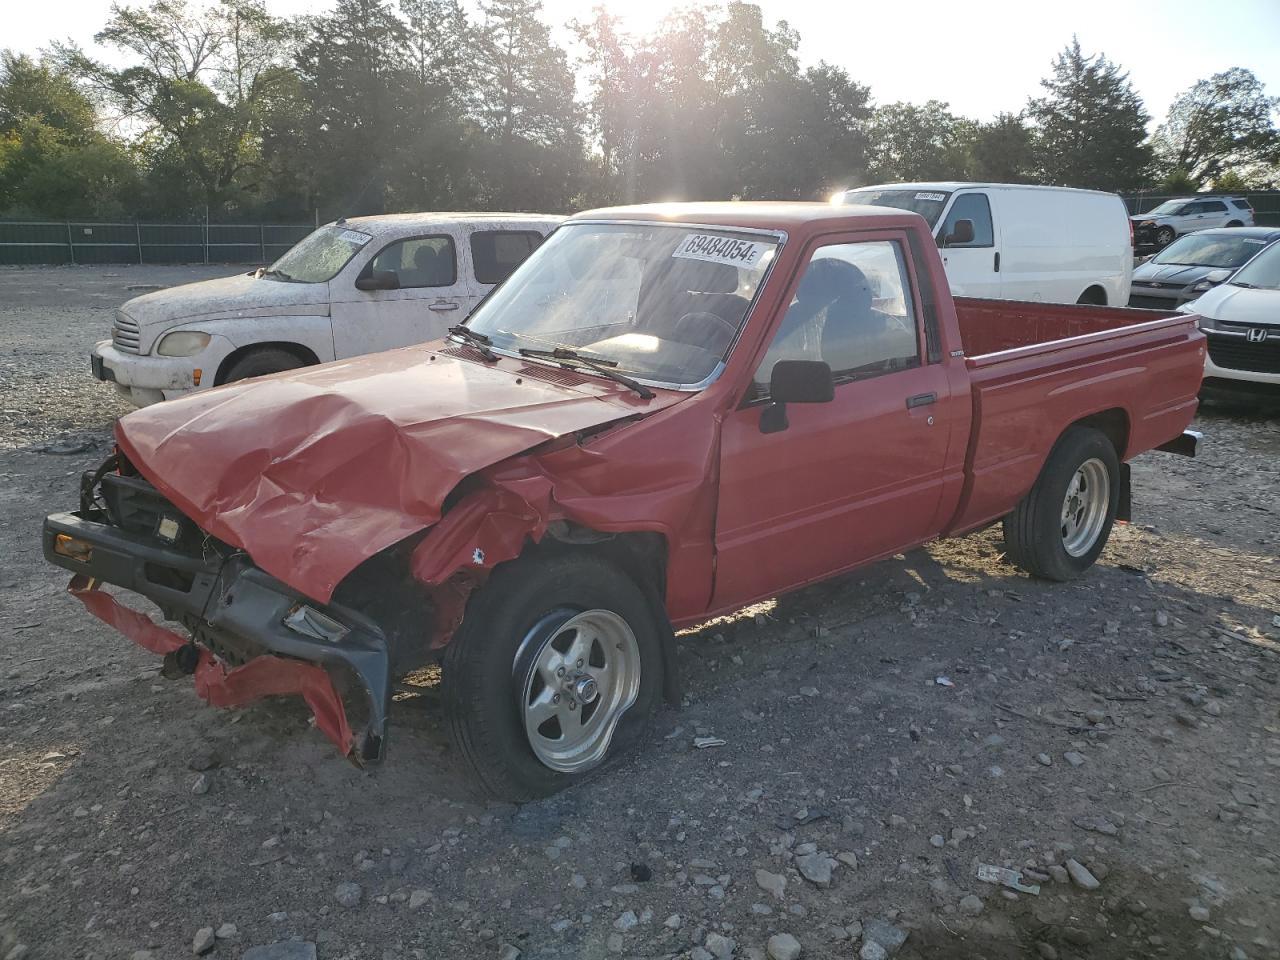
(517, 631)
(1235, 223)
(262, 362)
(1058, 530)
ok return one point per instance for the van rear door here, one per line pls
(973, 266)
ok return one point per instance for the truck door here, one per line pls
(432, 294)
(851, 479)
(973, 266)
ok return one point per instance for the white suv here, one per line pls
(351, 287)
(1161, 226)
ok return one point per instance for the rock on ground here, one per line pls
(783, 946)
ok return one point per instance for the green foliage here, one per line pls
(1091, 125)
(378, 105)
(53, 159)
(1225, 122)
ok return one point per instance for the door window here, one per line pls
(853, 309)
(496, 253)
(974, 207)
(420, 262)
(1214, 206)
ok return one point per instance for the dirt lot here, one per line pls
(1128, 722)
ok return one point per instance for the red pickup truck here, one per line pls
(666, 413)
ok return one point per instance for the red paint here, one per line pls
(314, 471)
(265, 676)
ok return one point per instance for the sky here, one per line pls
(983, 58)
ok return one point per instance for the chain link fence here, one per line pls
(71, 241)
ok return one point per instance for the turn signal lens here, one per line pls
(68, 546)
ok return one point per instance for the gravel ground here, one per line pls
(1118, 739)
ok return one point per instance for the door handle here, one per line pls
(921, 400)
(441, 306)
(996, 267)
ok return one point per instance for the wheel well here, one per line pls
(1235, 223)
(641, 553)
(235, 356)
(1113, 423)
(1094, 295)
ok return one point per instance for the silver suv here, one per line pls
(1161, 226)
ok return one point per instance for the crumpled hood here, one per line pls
(314, 471)
(1153, 218)
(1240, 305)
(238, 296)
(1173, 274)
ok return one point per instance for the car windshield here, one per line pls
(1211, 250)
(318, 256)
(927, 203)
(1263, 271)
(663, 301)
(1166, 209)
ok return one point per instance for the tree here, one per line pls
(1003, 151)
(54, 160)
(1225, 122)
(353, 66)
(1091, 124)
(523, 101)
(908, 142)
(195, 85)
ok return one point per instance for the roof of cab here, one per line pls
(397, 221)
(754, 214)
(952, 185)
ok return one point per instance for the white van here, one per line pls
(351, 287)
(1006, 241)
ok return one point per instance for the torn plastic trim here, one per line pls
(264, 676)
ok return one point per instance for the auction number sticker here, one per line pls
(720, 249)
(352, 236)
(936, 197)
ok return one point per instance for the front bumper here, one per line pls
(240, 647)
(147, 378)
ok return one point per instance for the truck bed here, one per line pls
(995, 326)
(1037, 368)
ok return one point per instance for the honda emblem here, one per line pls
(1257, 334)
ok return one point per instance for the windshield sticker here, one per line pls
(360, 239)
(936, 197)
(715, 249)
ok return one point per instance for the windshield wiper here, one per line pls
(564, 356)
(281, 274)
(481, 341)
(1241, 283)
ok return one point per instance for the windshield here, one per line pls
(664, 301)
(1199, 250)
(318, 256)
(1166, 209)
(927, 203)
(1263, 271)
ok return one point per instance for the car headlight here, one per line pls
(183, 343)
(1201, 287)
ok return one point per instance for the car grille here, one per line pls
(1151, 303)
(1236, 353)
(126, 335)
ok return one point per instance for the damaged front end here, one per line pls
(250, 635)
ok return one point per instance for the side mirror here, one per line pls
(378, 280)
(795, 381)
(961, 233)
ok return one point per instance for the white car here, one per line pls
(1241, 321)
(351, 287)
(1006, 241)
(1162, 225)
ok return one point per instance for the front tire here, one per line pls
(259, 363)
(555, 671)
(1059, 529)
(1165, 236)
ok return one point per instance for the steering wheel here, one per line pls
(710, 331)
